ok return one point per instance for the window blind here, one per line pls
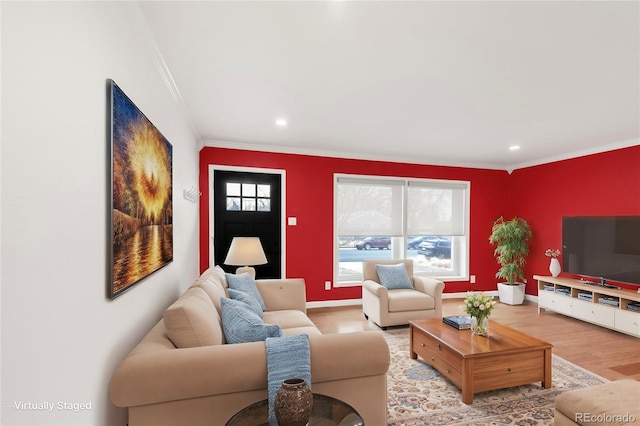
(436, 208)
(367, 207)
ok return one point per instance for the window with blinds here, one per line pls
(393, 218)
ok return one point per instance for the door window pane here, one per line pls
(248, 190)
(233, 203)
(233, 189)
(248, 204)
(248, 197)
(264, 191)
(264, 205)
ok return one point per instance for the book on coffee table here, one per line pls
(460, 322)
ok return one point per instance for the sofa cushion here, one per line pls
(244, 282)
(246, 298)
(240, 324)
(192, 320)
(215, 273)
(219, 273)
(394, 276)
(215, 290)
(612, 399)
(309, 331)
(288, 318)
(402, 300)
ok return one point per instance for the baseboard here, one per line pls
(356, 302)
(494, 293)
(462, 295)
(334, 303)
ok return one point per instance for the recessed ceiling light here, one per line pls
(281, 122)
(514, 147)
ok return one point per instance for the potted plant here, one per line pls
(511, 238)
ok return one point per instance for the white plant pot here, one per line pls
(511, 294)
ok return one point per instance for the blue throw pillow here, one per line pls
(244, 282)
(246, 298)
(393, 276)
(240, 324)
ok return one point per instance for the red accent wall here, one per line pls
(599, 184)
(309, 197)
(604, 184)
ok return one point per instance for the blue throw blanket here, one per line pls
(287, 357)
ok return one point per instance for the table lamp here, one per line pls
(245, 252)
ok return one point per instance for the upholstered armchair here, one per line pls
(402, 297)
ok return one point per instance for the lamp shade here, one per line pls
(245, 251)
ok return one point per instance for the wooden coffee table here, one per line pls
(474, 364)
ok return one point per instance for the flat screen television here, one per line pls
(602, 247)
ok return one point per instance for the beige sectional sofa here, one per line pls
(205, 381)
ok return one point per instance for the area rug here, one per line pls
(418, 395)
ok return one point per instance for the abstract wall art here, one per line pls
(141, 190)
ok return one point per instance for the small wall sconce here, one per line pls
(191, 194)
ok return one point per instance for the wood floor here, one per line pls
(607, 353)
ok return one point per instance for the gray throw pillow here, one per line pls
(240, 324)
(393, 276)
(246, 298)
(244, 282)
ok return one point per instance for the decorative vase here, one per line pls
(480, 325)
(554, 267)
(293, 403)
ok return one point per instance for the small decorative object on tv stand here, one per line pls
(602, 283)
(554, 265)
(612, 308)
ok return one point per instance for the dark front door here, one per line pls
(248, 205)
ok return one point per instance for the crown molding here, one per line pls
(343, 154)
(414, 160)
(139, 23)
(575, 154)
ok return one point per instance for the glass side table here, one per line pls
(326, 411)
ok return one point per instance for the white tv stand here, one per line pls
(583, 301)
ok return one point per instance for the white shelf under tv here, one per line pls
(606, 307)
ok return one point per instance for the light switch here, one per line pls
(292, 221)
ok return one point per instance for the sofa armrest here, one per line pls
(380, 296)
(375, 288)
(283, 294)
(173, 374)
(430, 286)
(157, 376)
(433, 288)
(348, 355)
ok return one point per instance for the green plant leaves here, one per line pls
(511, 238)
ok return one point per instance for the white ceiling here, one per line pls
(446, 82)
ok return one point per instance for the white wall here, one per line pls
(61, 336)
